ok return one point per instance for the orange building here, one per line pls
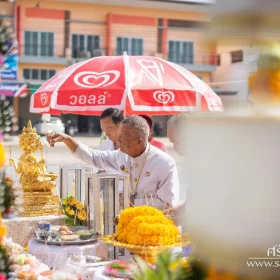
(55, 34)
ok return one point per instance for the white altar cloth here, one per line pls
(21, 229)
(56, 256)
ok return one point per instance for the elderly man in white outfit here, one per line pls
(153, 173)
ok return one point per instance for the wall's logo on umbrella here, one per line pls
(89, 79)
(44, 98)
(164, 97)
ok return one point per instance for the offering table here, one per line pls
(22, 229)
(56, 256)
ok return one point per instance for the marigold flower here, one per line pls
(2, 155)
(72, 202)
(79, 205)
(3, 230)
(71, 213)
(82, 215)
(146, 225)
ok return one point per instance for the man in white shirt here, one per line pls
(153, 173)
(110, 120)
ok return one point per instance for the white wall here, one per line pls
(234, 76)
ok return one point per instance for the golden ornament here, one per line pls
(35, 182)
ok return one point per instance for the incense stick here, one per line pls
(131, 204)
(152, 200)
(146, 198)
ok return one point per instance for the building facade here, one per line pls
(237, 59)
(52, 35)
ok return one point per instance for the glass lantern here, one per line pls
(72, 180)
(106, 196)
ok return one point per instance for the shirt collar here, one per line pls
(143, 155)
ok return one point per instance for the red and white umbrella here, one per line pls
(137, 84)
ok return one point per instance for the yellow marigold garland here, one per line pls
(146, 225)
(2, 155)
(265, 86)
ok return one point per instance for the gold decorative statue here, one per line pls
(36, 183)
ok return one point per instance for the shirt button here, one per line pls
(135, 165)
(135, 180)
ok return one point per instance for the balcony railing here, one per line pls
(45, 53)
(194, 59)
(80, 54)
(47, 50)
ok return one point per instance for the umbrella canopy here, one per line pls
(137, 84)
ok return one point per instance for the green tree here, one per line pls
(3, 38)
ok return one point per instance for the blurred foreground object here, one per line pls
(8, 120)
(255, 20)
(2, 155)
(265, 82)
(233, 196)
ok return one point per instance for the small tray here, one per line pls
(62, 243)
(88, 265)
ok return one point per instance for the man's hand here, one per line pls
(176, 213)
(55, 137)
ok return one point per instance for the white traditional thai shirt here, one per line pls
(158, 180)
(107, 145)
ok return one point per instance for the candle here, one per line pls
(101, 217)
(73, 186)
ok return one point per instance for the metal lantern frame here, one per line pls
(102, 211)
(80, 171)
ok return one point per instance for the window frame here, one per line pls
(39, 43)
(181, 48)
(235, 58)
(39, 73)
(85, 42)
(129, 38)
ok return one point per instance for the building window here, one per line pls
(236, 56)
(83, 46)
(38, 43)
(38, 74)
(181, 52)
(133, 46)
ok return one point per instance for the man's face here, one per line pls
(110, 128)
(126, 141)
(173, 138)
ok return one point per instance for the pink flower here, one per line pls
(2, 277)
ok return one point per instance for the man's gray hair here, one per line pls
(139, 127)
(177, 120)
